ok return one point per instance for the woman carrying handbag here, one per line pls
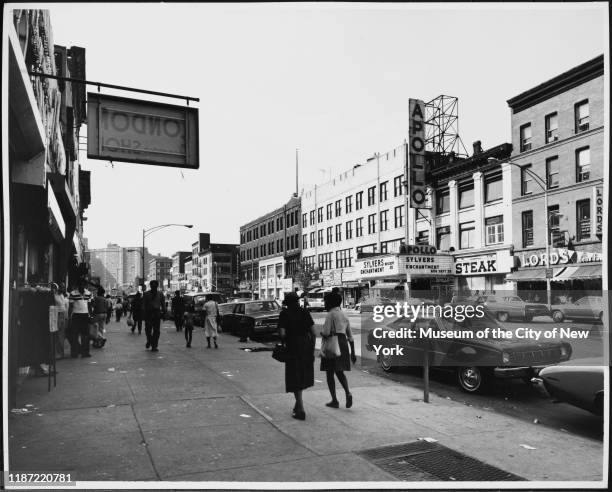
(296, 330)
(335, 359)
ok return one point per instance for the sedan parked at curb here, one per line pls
(251, 318)
(507, 307)
(585, 308)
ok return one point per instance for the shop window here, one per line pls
(551, 122)
(383, 220)
(552, 172)
(383, 191)
(442, 202)
(466, 195)
(583, 220)
(359, 227)
(493, 187)
(583, 164)
(349, 229)
(527, 227)
(349, 204)
(338, 233)
(443, 238)
(329, 211)
(371, 195)
(398, 185)
(399, 216)
(358, 200)
(371, 223)
(422, 237)
(581, 115)
(467, 235)
(494, 230)
(526, 180)
(525, 137)
(330, 235)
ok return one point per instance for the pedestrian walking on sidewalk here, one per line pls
(188, 323)
(297, 332)
(137, 313)
(99, 314)
(211, 308)
(337, 321)
(178, 310)
(79, 312)
(154, 310)
(109, 308)
(61, 304)
(118, 309)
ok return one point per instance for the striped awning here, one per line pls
(579, 273)
(527, 275)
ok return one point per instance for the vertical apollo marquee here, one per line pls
(417, 188)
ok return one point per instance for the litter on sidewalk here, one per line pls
(527, 446)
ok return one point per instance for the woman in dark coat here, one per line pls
(296, 329)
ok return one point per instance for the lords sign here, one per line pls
(131, 130)
(416, 154)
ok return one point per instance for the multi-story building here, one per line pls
(558, 142)
(219, 264)
(117, 267)
(186, 283)
(271, 241)
(159, 269)
(177, 271)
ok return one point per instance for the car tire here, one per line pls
(472, 379)
(557, 316)
(528, 318)
(386, 363)
(502, 316)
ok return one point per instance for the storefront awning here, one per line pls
(579, 273)
(352, 285)
(387, 285)
(527, 275)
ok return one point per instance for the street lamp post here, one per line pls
(148, 232)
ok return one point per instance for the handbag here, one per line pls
(280, 353)
(330, 348)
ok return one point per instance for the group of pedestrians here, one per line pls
(296, 329)
(184, 318)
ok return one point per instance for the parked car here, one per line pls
(226, 308)
(315, 300)
(589, 307)
(367, 305)
(581, 386)
(251, 318)
(476, 362)
(506, 307)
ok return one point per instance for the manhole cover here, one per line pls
(422, 460)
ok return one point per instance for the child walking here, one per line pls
(188, 325)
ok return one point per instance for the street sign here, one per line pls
(144, 132)
(549, 273)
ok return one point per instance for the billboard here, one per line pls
(144, 132)
(415, 159)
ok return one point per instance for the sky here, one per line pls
(332, 80)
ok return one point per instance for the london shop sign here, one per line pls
(559, 256)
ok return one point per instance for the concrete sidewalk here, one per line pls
(200, 415)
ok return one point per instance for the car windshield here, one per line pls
(255, 307)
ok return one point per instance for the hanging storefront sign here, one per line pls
(599, 204)
(332, 278)
(415, 158)
(558, 256)
(383, 266)
(438, 264)
(420, 249)
(145, 132)
(498, 262)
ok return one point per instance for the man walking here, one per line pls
(137, 313)
(154, 309)
(79, 313)
(178, 310)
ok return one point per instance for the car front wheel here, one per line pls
(471, 379)
(502, 316)
(528, 318)
(557, 316)
(386, 363)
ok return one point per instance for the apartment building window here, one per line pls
(466, 195)
(349, 204)
(297, 240)
(551, 122)
(554, 230)
(399, 216)
(552, 172)
(325, 261)
(263, 230)
(494, 230)
(349, 229)
(359, 200)
(371, 195)
(526, 180)
(393, 246)
(290, 243)
(289, 224)
(338, 208)
(371, 223)
(330, 234)
(368, 248)
(359, 227)
(296, 217)
(422, 237)
(304, 220)
(583, 164)
(527, 227)
(525, 137)
(256, 233)
(442, 202)
(398, 185)
(581, 114)
(329, 211)
(338, 232)
(320, 215)
(443, 238)
(271, 248)
(262, 250)
(271, 227)
(384, 222)
(312, 239)
(344, 258)
(312, 217)
(280, 227)
(583, 219)
(467, 235)
(383, 192)
(493, 187)
(320, 237)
